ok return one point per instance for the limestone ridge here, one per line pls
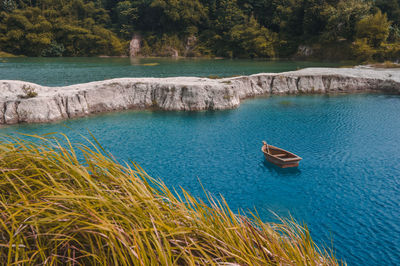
(181, 93)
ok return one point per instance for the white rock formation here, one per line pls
(182, 93)
(134, 46)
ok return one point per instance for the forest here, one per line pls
(361, 30)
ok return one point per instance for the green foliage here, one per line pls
(391, 51)
(341, 20)
(145, 49)
(252, 40)
(227, 28)
(29, 92)
(362, 51)
(127, 15)
(165, 45)
(73, 29)
(391, 8)
(374, 28)
(57, 209)
(179, 15)
(372, 34)
(7, 5)
(53, 50)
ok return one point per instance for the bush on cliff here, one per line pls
(29, 92)
(58, 209)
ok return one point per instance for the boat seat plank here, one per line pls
(280, 154)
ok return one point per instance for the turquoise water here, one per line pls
(347, 188)
(67, 71)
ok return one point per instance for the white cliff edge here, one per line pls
(181, 93)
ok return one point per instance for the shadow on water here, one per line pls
(276, 170)
(189, 114)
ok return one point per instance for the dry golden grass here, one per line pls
(386, 64)
(58, 209)
(4, 54)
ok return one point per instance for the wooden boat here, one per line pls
(280, 157)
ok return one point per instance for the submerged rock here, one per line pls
(181, 93)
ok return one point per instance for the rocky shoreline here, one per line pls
(181, 93)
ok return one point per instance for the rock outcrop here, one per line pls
(134, 46)
(182, 93)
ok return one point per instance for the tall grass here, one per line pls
(57, 209)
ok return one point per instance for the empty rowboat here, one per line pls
(280, 157)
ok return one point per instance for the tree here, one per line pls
(127, 15)
(342, 19)
(73, 29)
(179, 15)
(229, 28)
(228, 15)
(374, 28)
(252, 40)
(7, 5)
(314, 21)
(391, 8)
(288, 23)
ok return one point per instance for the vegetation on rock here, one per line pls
(340, 29)
(29, 92)
(386, 64)
(58, 209)
(4, 54)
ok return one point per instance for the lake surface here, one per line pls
(68, 71)
(347, 188)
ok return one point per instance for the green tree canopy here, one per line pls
(374, 28)
(229, 28)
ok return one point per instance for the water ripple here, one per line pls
(347, 188)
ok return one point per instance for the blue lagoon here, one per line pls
(347, 188)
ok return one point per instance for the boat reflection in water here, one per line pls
(278, 171)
